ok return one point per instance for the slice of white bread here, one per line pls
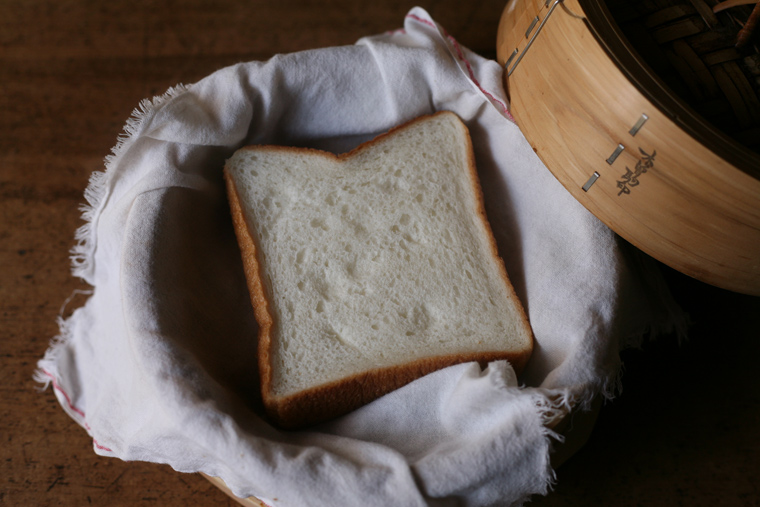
(369, 269)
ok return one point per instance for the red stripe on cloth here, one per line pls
(460, 55)
(73, 408)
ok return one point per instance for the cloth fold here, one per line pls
(160, 363)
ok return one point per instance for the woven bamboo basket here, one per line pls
(694, 51)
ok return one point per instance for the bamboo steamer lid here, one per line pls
(677, 178)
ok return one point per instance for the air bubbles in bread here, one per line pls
(362, 248)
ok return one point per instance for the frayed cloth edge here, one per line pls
(97, 191)
(47, 367)
(46, 372)
(82, 253)
(551, 406)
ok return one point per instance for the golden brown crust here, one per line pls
(330, 400)
(477, 190)
(293, 149)
(254, 279)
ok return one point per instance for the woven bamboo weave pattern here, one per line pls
(694, 51)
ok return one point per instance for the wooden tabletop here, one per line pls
(684, 431)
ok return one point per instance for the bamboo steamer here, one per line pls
(627, 147)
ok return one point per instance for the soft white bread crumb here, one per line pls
(368, 264)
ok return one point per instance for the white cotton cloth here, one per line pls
(158, 365)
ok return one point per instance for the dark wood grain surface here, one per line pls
(684, 431)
